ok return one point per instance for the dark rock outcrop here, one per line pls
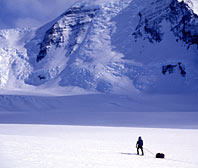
(171, 69)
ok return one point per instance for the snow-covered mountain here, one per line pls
(106, 46)
(127, 48)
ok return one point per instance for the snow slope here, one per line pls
(96, 44)
(195, 3)
(39, 146)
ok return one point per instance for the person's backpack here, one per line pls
(140, 142)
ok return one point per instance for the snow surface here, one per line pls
(39, 146)
(195, 2)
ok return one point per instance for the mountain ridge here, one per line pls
(90, 47)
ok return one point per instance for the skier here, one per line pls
(139, 145)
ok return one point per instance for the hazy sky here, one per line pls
(30, 13)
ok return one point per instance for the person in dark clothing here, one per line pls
(139, 145)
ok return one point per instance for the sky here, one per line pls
(30, 13)
(35, 13)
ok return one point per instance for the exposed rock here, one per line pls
(171, 69)
(168, 68)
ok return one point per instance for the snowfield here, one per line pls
(39, 146)
(92, 144)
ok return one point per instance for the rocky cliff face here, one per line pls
(68, 32)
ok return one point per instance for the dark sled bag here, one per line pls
(160, 155)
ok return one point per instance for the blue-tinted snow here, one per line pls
(177, 111)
